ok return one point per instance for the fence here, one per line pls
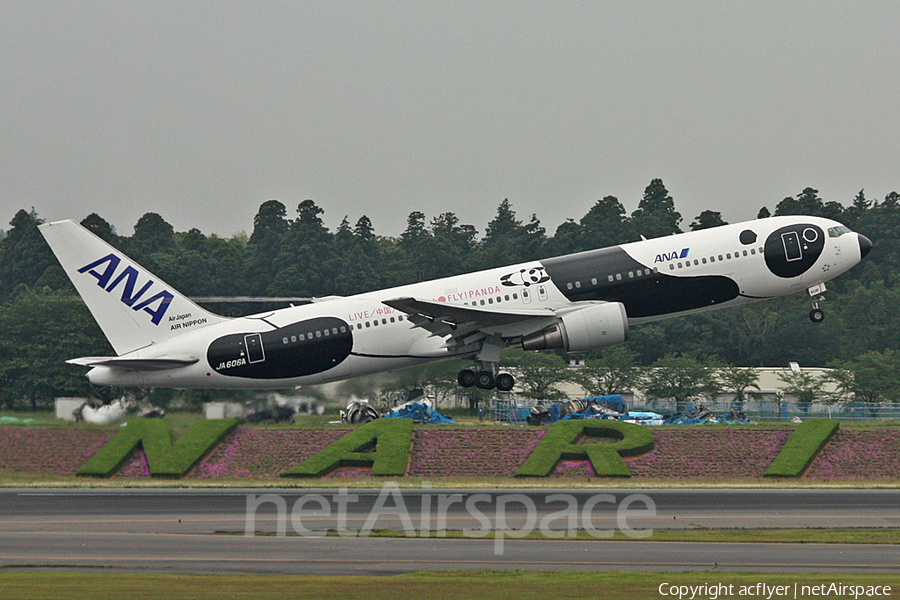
(516, 410)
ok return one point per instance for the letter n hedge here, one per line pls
(165, 459)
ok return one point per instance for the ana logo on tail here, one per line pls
(156, 305)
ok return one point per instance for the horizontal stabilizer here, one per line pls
(134, 364)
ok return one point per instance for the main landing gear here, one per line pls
(817, 315)
(485, 380)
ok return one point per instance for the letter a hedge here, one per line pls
(560, 443)
(390, 438)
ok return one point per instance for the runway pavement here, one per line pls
(217, 530)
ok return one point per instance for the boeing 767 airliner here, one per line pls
(576, 303)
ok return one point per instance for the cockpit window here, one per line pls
(837, 231)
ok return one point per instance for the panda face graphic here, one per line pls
(792, 250)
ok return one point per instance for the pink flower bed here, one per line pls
(471, 453)
(873, 454)
(254, 452)
(574, 468)
(48, 452)
(709, 453)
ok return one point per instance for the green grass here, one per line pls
(440, 585)
(861, 535)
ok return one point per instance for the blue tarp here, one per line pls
(518, 414)
(641, 416)
(613, 401)
(420, 413)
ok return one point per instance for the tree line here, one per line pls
(290, 252)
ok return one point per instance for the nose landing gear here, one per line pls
(817, 315)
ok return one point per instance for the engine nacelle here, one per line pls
(589, 328)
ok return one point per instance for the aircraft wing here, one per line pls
(134, 364)
(468, 325)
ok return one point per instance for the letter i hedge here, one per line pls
(802, 447)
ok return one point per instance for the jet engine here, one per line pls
(582, 330)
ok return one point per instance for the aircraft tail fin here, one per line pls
(133, 307)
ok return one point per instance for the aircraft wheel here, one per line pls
(466, 378)
(816, 315)
(485, 380)
(505, 382)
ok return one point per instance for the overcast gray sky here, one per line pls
(201, 111)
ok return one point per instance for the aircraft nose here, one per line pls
(865, 245)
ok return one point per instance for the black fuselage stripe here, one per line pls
(611, 275)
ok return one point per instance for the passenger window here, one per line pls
(368, 324)
(745, 253)
(393, 320)
(696, 262)
(578, 284)
(506, 297)
(327, 333)
(375, 323)
(703, 260)
(318, 334)
(630, 274)
(752, 250)
(618, 277)
(384, 321)
(294, 339)
(284, 340)
(490, 300)
(680, 265)
(672, 266)
(610, 277)
(515, 296)
(569, 286)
